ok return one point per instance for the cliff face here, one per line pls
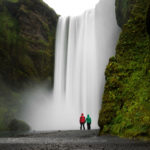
(126, 100)
(27, 37)
(27, 31)
(123, 10)
(148, 21)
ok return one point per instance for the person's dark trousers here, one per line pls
(88, 126)
(82, 125)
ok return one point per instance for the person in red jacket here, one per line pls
(82, 121)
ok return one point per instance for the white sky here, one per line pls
(71, 7)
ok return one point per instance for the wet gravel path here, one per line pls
(71, 140)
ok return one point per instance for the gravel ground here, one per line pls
(70, 140)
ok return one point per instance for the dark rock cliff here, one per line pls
(126, 100)
(148, 21)
(123, 11)
(27, 37)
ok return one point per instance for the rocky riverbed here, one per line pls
(70, 140)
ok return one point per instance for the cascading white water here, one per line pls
(83, 47)
(76, 73)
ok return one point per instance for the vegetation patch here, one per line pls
(27, 37)
(126, 100)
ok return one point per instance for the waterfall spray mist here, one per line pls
(83, 47)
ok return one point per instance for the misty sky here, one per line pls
(71, 7)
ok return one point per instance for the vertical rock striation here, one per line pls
(27, 41)
(148, 21)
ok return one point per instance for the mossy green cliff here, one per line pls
(27, 29)
(126, 100)
(27, 37)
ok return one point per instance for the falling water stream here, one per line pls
(84, 45)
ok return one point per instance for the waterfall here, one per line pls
(76, 68)
(84, 45)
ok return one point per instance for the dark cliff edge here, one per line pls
(148, 21)
(27, 39)
(126, 101)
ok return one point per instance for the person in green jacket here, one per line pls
(88, 120)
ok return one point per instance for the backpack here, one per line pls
(82, 119)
